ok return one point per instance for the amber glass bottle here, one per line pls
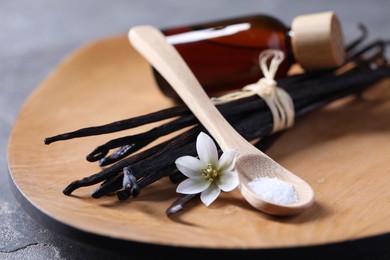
(224, 54)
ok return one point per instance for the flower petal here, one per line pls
(228, 160)
(190, 166)
(209, 195)
(206, 149)
(192, 186)
(227, 181)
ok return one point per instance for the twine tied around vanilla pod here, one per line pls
(277, 99)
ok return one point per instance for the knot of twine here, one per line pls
(277, 99)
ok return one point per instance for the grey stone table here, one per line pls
(36, 35)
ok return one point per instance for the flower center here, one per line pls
(210, 173)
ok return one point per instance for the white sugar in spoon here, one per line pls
(251, 162)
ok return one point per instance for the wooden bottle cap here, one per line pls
(317, 41)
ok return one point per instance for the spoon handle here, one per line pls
(151, 43)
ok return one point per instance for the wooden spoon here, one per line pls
(251, 162)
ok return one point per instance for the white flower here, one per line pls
(207, 174)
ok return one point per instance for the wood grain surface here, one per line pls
(342, 151)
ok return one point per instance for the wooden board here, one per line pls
(343, 151)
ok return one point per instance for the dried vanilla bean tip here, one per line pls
(138, 141)
(178, 205)
(117, 155)
(148, 172)
(364, 33)
(129, 185)
(106, 181)
(134, 190)
(109, 187)
(129, 180)
(101, 151)
(368, 55)
(122, 124)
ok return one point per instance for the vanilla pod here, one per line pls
(129, 172)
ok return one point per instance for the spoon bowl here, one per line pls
(251, 162)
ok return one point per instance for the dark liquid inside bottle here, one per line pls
(224, 55)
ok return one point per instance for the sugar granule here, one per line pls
(274, 190)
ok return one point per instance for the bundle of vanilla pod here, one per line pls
(126, 170)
